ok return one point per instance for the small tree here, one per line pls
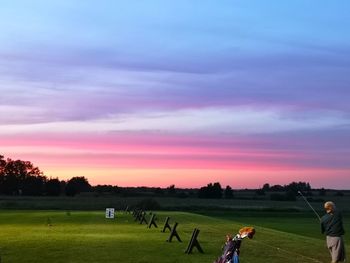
(76, 185)
(210, 191)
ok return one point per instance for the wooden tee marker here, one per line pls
(166, 225)
(194, 243)
(174, 233)
(152, 221)
(138, 215)
(143, 218)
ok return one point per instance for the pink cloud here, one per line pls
(157, 159)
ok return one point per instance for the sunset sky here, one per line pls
(181, 92)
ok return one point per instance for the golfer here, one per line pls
(332, 226)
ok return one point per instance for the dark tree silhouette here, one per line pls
(276, 188)
(298, 186)
(2, 173)
(210, 191)
(76, 185)
(53, 187)
(2, 164)
(293, 187)
(34, 185)
(20, 177)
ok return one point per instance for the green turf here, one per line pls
(88, 237)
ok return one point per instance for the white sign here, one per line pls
(109, 212)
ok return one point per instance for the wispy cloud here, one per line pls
(234, 120)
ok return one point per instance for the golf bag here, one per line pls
(232, 247)
(231, 251)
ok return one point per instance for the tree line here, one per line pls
(277, 192)
(19, 177)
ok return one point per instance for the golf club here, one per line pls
(319, 218)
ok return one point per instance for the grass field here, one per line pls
(88, 237)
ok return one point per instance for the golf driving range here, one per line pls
(87, 236)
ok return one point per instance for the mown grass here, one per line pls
(88, 237)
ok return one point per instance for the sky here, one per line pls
(186, 92)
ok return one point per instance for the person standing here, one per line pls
(332, 227)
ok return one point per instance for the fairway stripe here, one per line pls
(287, 251)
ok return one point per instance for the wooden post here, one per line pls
(138, 215)
(143, 218)
(166, 225)
(174, 233)
(194, 243)
(152, 221)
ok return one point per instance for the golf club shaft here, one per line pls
(319, 218)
